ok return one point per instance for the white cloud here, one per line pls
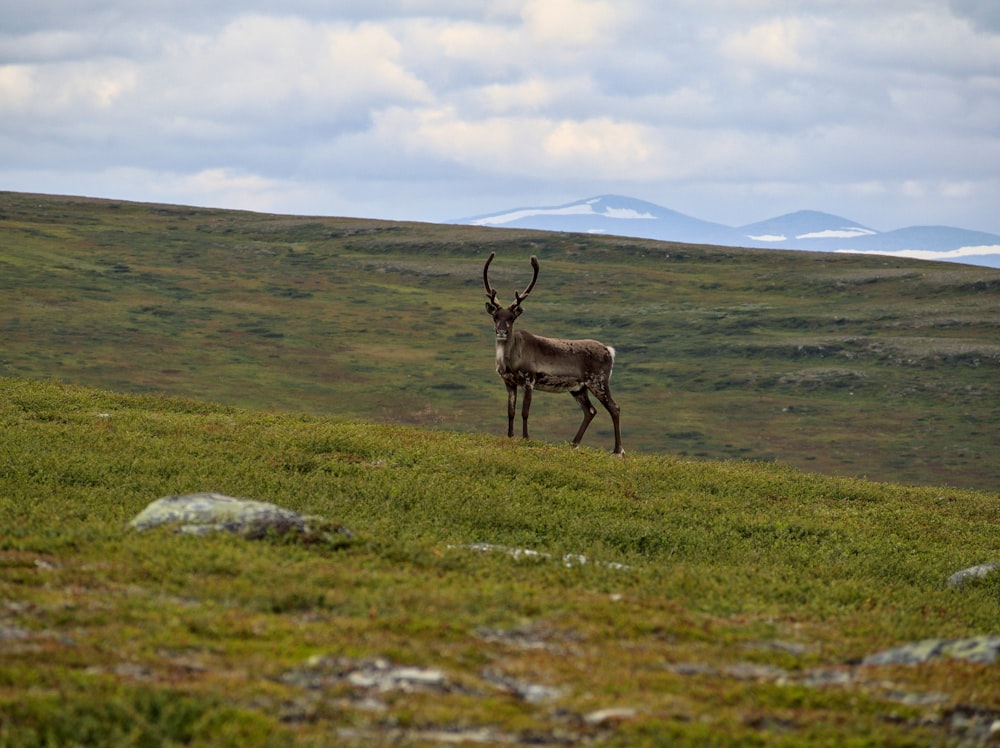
(489, 48)
(16, 84)
(598, 148)
(779, 43)
(885, 112)
(531, 95)
(257, 63)
(68, 93)
(571, 22)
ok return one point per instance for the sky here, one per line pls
(886, 112)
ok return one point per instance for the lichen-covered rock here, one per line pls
(981, 649)
(201, 513)
(376, 674)
(959, 578)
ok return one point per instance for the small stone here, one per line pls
(532, 693)
(375, 674)
(416, 676)
(612, 714)
(754, 672)
(13, 632)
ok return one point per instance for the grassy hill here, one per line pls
(845, 365)
(721, 603)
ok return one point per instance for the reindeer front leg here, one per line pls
(525, 408)
(511, 406)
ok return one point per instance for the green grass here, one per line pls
(846, 365)
(745, 582)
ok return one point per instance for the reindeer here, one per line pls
(549, 364)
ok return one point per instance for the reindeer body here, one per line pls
(553, 365)
(531, 362)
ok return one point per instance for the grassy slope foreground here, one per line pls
(748, 594)
(846, 365)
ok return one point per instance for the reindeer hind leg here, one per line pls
(603, 393)
(589, 411)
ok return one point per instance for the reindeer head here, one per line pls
(503, 317)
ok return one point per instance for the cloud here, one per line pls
(727, 109)
(15, 88)
(570, 22)
(779, 44)
(984, 14)
(531, 94)
(596, 148)
(258, 63)
(599, 145)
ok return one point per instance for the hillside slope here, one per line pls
(847, 365)
(493, 592)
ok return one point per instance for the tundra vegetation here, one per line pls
(705, 590)
(719, 602)
(856, 366)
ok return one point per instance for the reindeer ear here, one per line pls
(491, 307)
(516, 309)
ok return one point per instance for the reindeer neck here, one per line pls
(508, 350)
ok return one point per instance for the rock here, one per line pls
(384, 677)
(377, 674)
(959, 578)
(611, 715)
(569, 560)
(532, 693)
(980, 649)
(559, 642)
(13, 632)
(201, 513)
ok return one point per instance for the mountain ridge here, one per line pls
(809, 230)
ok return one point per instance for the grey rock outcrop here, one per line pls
(201, 513)
(959, 579)
(981, 649)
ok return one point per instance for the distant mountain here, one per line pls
(804, 229)
(611, 214)
(804, 225)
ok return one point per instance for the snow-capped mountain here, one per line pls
(804, 225)
(612, 214)
(805, 229)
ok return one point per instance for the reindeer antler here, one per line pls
(490, 291)
(519, 297)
